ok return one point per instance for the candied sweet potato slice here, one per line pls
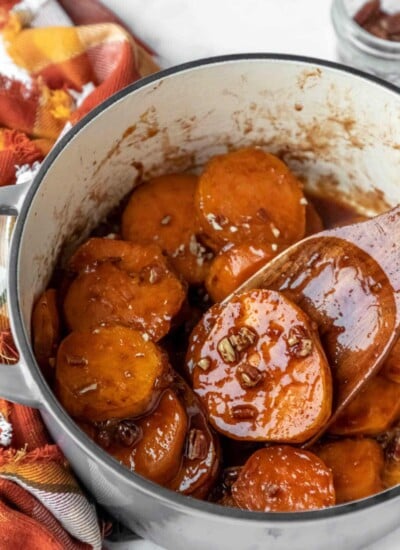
(356, 465)
(109, 372)
(157, 454)
(231, 267)
(372, 411)
(46, 328)
(284, 479)
(130, 257)
(122, 283)
(249, 195)
(258, 366)
(162, 210)
(391, 473)
(173, 445)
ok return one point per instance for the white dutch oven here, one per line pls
(338, 129)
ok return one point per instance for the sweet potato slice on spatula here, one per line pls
(258, 366)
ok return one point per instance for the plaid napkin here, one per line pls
(41, 504)
(51, 74)
(56, 66)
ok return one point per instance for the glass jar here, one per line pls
(358, 48)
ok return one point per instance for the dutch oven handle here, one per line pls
(16, 381)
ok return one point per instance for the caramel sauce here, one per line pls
(334, 212)
(266, 372)
(347, 296)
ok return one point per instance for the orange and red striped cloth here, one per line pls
(59, 62)
(41, 503)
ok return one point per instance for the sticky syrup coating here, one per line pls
(172, 445)
(201, 460)
(160, 428)
(122, 283)
(249, 195)
(284, 479)
(162, 211)
(109, 372)
(258, 366)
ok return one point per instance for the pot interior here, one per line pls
(338, 131)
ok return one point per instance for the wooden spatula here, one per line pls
(348, 281)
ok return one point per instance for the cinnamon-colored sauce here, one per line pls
(334, 212)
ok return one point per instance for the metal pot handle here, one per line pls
(11, 199)
(16, 385)
(16, 382)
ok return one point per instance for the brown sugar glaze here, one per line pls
(334, 212)
(346, 293)
(347, 280)
(191, 467)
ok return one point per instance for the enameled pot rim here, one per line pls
(48, 399)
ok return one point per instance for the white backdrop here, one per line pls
(182, 30)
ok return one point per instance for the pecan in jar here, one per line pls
(375, 20)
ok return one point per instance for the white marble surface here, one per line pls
(183, 30)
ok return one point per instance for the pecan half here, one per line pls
(127, 433)
(375, 20)
(204, 363)
(305, 348)
(76, 360)
(368, 11)
(243, 338)
(197, 446)
(226, 350)
(249, 376)
(244, 412)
